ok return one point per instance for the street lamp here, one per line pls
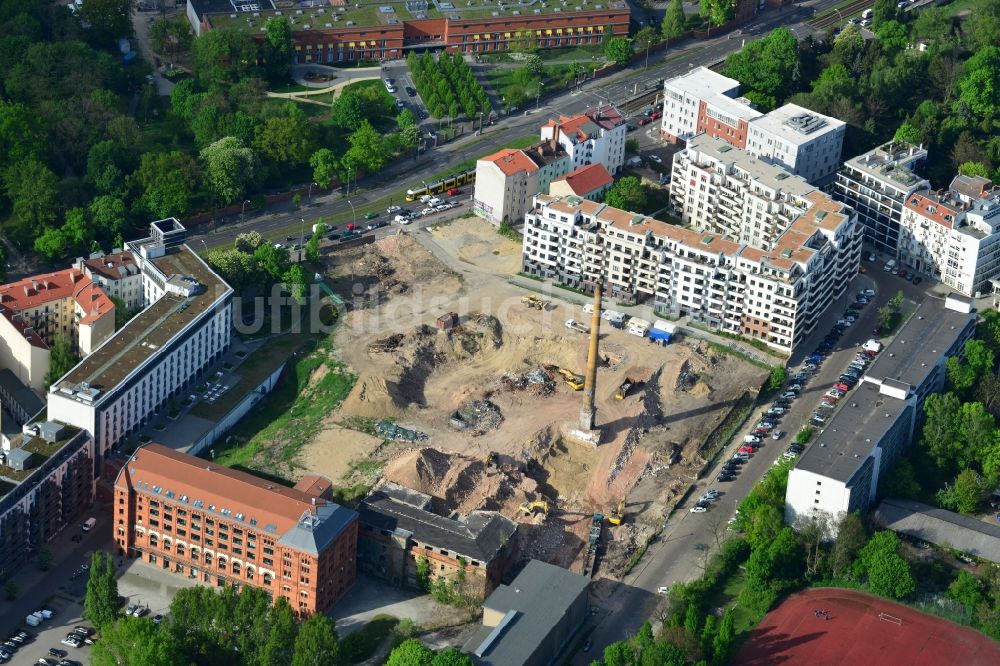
(354, 215)
(310, 195)
(243, 210)
(302, 231)
(538, 94)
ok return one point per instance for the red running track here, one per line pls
(855, 634)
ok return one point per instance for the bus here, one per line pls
(443, 185)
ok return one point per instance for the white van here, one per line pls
(89, 524)
(867, 14)
(890, 266)
(588, 308)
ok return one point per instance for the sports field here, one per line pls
(861, 629)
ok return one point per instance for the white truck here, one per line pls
(872, 346)
(34, 619)
(639, 327)
(89, 524)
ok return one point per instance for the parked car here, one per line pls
(777, 434)
(746, 449)
(790, 395)
(726, 477)
(410, 91)
(656, 158)
(697, 508)
(56, 652)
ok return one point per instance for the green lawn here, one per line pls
(362, 644)
(957, 7)
(292, 87)
(271, 435)
(585, 52)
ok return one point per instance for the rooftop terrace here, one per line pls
(151, 329)
(10, 478)
(367, 14)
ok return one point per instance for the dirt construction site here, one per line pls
(475, 408)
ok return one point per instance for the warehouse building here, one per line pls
(531, 621)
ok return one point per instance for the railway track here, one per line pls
(834, 17)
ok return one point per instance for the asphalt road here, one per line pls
(673, 557)
(280, 220)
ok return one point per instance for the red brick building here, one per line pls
(400, 533)
(225, 527)
(387, 30)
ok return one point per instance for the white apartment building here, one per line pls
(953, 238)
(715, 187)
(596, 136)
(117, 274)
(774, 295)
(158, 355)
(507, 179)
(876, 185)
(686, 99)
(841, 470)
(803, 142)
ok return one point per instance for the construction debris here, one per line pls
(390, 430)
(479, 416)
(388, 344)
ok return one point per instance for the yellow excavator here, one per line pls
(623, 389)
(529, 508)
(618, 512)
(534, 302)
(573, 380)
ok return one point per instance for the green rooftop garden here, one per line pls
(371, 14)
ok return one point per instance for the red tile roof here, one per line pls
(587, 179)
(113, 266)
(934, 209)
(22, 327)
(512, 161)
(257, 499)
(70, 283)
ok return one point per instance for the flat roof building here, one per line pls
(225, 527)
(184, 328)
(46, 481)
(841, 469)
(876, 184)
(531, 621)
(940, 527)
(804, 142)
(775, 294)
(346, 32)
